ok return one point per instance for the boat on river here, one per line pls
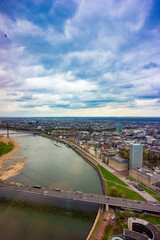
(56, 145)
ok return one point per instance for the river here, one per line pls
(51, 166)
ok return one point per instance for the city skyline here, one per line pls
(79, 58)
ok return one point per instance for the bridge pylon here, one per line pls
(107, 207)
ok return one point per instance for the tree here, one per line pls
(145, 155)
(117, 230)
(113, 191)
(121, 194)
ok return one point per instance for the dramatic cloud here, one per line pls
(80, 58)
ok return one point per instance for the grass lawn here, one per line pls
(109, 176)
(127, 193)
(150, 218)
(158, 198)
(97, 226)
(5, 148)
(112, 230)
(155, 195)
(121, 222)
(131, 179)
(153, 219)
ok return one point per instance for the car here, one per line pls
(104, 219)
(37, 186)
(78, 192)
(57, 189)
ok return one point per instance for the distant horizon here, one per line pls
(79, 58)
(84, 117)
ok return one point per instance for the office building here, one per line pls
(118, 127)
(118, 163)
(149, 139)
(145, 177)
(136, 156)
(138, 229)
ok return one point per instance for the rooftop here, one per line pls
(119, 160)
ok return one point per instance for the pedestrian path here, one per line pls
(144, 194)
(105, 221)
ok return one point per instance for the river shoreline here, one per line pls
(93, 164)
(11, 170)
(14, 171)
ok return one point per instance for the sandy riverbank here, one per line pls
(13, 169)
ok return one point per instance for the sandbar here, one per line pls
(13, 169)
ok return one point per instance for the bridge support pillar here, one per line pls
(107, 207)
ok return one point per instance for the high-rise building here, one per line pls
(119, 127)
(136, 156)
(149, 139)
(37, 123)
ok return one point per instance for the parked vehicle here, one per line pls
(37, 186)
(138, 187)
(79, 192)
(19, 184)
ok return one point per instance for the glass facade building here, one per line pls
(136, 156)
(119, 127)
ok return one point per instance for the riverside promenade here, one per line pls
(95, 162)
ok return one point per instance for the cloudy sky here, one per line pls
(80, 58)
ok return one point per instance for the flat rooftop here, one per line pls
(119, 160)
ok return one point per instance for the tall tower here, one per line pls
(136, 156)
(7, 130)
(119, 127)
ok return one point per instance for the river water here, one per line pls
(51, 166)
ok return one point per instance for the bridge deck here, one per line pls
(86, 197)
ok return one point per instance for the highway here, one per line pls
(24, 192)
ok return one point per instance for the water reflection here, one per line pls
(48, 165)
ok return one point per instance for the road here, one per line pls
(31, 191)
